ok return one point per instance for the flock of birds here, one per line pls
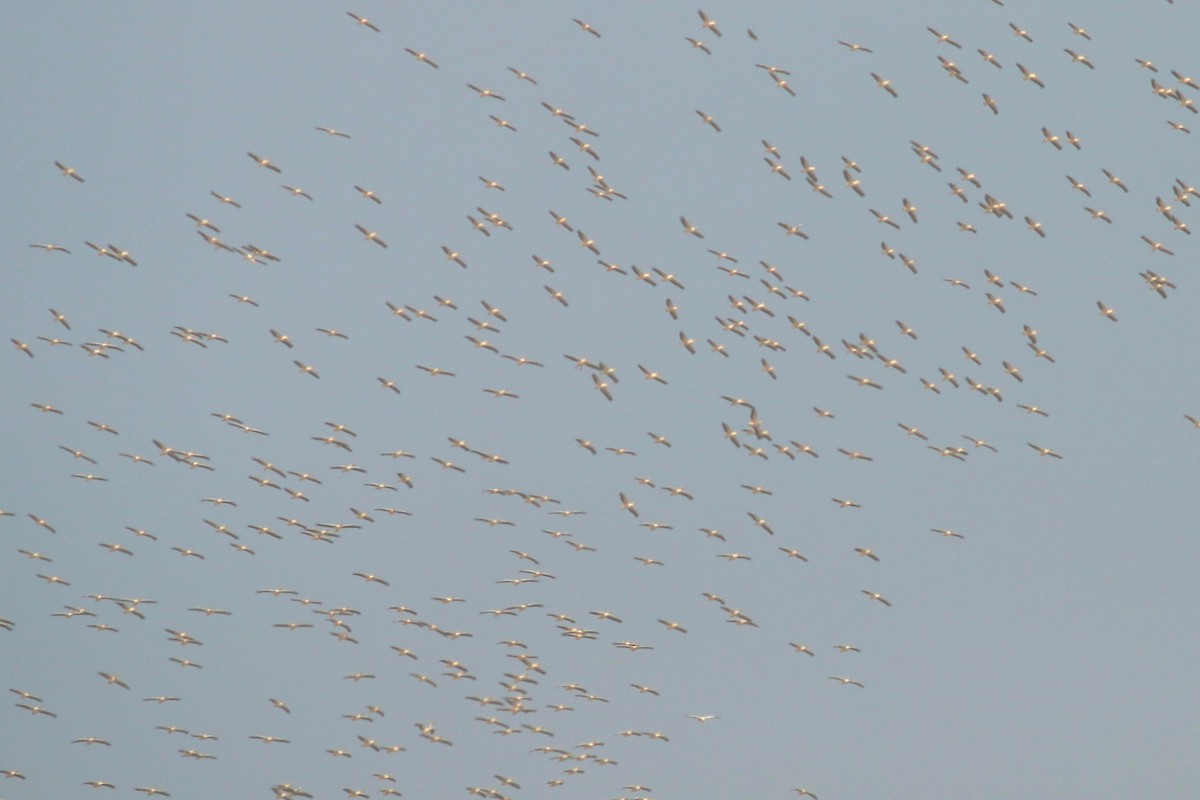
(357, 479)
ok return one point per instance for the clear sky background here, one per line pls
(1049, 651)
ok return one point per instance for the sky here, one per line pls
(322, 436)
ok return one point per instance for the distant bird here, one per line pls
(709, 120)
(876, 596)
(1044, 451)
(586, 27)
(1077, 58)
(370, 236)
(420, 57)
(944, 38)
(1030, 76)
(522, 75)
(944, 532)
(68, 172)
(1020, 32)
(227, 200)
(264, 162)
(362, 21)
(885, 84)
(844, 682)
(51, 248)
(708, 23)
(305, 368)
(1115, 181)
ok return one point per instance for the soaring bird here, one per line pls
(362, 21)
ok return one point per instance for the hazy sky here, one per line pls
(1045, 649)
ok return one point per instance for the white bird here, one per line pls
(370, 236)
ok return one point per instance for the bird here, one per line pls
(1032, 77)
(369, 195)
(884, 219)
(944, 38)
(522, 75)
(264, 162)
(864, 381)
(885, 84)
(844, 682)
(1078, 59)
(1156, 246)
(1115, 181)
(876, 596)
(793, 230)
(602, 387)
(1020, 32)
(557, 295)
(36, 710)
(452, 255)
(370, 236)
(362, 21)
(419, 56)
(1044, 451)
(586, 27)
(980, 442)
(708, 120)
(586, 241)
(485, 93)
(111, 679)
(947, 533)
(51, 248)
(305, 368)
(68, 172)
(989, 58)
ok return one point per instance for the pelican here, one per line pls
(877, 596)
(370, 236)
(361, 21)
(844, 682)
(419, 56)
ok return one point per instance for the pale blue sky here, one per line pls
(1047, 653)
